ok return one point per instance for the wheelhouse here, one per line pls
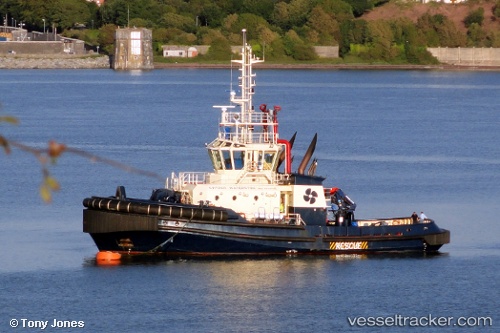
(228, 155)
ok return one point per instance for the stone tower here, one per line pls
(133, 49)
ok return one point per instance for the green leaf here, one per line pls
(52, 183)
(45, 193)
(9, 119)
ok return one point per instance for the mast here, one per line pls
(246, 82)
(248, 137)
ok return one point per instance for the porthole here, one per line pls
(216, 197)
(234, 197)
(256, 198)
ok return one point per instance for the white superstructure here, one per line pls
(246, 156)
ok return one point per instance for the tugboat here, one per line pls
(252, 203)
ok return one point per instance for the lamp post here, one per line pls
(43, 26)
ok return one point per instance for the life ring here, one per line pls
(263, 107)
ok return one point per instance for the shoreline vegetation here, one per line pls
(369, 34)
(324, 66)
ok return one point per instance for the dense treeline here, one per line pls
(285, 29)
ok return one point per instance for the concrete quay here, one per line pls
(12, 61)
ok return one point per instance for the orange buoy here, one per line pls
(107, 256)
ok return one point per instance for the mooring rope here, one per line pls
(170, 239)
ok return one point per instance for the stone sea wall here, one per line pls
(13, 61)
(480, 56)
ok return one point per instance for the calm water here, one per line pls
(394, 141)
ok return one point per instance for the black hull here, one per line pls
(198, 245)
(152, 234)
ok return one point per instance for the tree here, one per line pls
(181, 22)
(476, 35)
(141, 23)
(303, 52)
(324, 25)
(359, 7)
(106, 38)
(381, 39)
(219, 50)
(67, 13)
(177, 36)
(493, 39)
(281, 16)
(296, 48)
(291, 38)
(407, 35)
(207, 36)
(95, 19)
(298, 11)
(496, 9)
(265, 35)
(276, 51)
(475, 16)
(345, 37)
(205, 13)
(338, 9)
(11, 8)
(119, 12)
(438, 30)
(64, 14)
(32, 11)
(263, 8)
(450, 35)
(252, 23)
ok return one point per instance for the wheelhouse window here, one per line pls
(226, 155)
(263, 160)
(266, 160)
(216, 159)
(239, 159)
(269, 160)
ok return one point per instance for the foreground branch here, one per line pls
(54, 151)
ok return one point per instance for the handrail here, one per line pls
(177, 182)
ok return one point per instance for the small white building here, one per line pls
(179, 51)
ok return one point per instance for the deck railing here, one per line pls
(255, 127)
(178, 182)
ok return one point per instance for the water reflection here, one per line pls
(270, 267)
